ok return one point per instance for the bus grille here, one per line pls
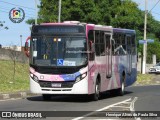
(50, 84)
(56, 71)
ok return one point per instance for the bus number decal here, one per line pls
(69, 63)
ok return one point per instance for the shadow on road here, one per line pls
(75, 98)
(60, 98)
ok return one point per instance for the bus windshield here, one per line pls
(59, 51)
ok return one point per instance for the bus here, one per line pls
(80, 58)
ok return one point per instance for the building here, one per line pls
(14, 47)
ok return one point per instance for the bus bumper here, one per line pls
(80, 87)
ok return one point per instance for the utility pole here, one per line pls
(145, 44)
(36, 13)
(59, 12)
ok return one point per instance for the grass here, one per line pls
(144, 79)
(21, 81)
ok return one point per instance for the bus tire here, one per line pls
(46, 97)
(96, 94)
(121, 90)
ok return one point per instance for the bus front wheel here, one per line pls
(96, 95)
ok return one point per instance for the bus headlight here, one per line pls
(35, 78)
(80, 77)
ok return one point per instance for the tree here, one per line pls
(14, 57)
(117, 13)
(2, 25)
(127, 15)
(84, 11)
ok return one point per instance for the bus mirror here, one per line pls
(26, 48)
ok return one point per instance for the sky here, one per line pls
(12, 35)
(153, 7)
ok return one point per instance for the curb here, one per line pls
(23, 95)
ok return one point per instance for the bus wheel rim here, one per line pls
(122, 87)
(97, 90)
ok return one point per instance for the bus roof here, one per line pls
(59, 24)
(104, 28)
(65, 23)
(123, 30)
(95, 27)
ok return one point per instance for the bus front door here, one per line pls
(108, 45)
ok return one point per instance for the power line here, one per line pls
(17, 5)
(156, 13)
(9, 8)
(154, 6)
(4, 11)
(25, 15)
(26, 12)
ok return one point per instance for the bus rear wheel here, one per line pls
(121, 90)
(47, 96)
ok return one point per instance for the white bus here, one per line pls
(77, 58)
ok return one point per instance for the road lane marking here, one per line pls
(130, 102)
(132, 107)
(78, 118)
(103, 119)
(120, 107)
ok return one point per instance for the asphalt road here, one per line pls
(137, 98)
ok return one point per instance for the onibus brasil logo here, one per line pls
(16, 15)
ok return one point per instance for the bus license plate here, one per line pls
(56, 85)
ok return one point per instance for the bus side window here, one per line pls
(113, 46)
(97, 43)
(102, 44)
(91, 45)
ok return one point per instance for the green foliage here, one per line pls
(2, 25)
(118, 13)
(30, 21)
(127, 16)
(153, 48)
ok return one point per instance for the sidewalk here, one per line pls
(25, 94)
(15, 95)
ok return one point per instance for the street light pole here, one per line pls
(21, 41)
(36, 13)
(59, 12)
(145, 44)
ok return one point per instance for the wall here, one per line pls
(6, 54)
(14, 47)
